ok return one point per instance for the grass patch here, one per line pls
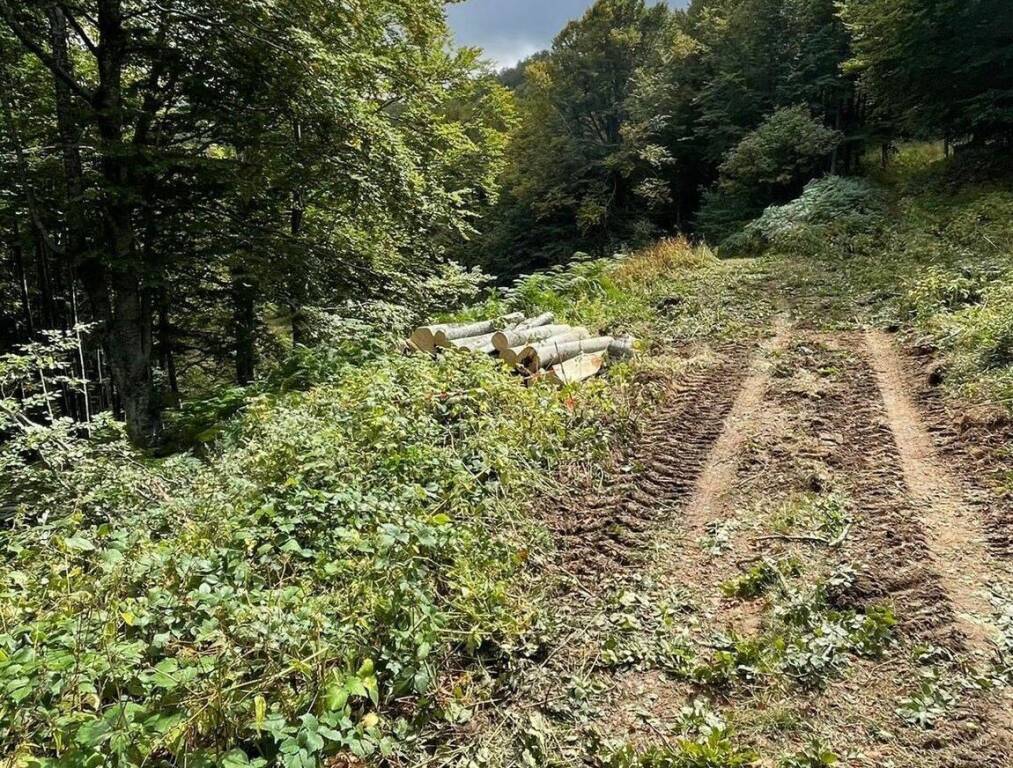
(937, 264)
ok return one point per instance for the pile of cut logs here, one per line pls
(536, 346)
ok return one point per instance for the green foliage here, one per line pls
(930, 703)
(942, 66)
(338, 546)
(938, 265)
(706, 742)
(808, 640)
(815, 755)
(826, 514)
(752, 584)
(771, 164)
(345, 542)
(580, 174)
(254, 160)
(827, 207)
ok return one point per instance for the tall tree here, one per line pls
(577, 167)
(943, 66)
(218, 157)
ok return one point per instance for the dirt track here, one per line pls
(726, 475)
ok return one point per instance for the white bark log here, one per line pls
(536, 322)
(424, 338)
(552, 353)
(622, 349)
(448, 333)
(575, 370)
(473, 343)
(506, 339)
(527, 350)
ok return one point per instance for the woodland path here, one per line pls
(807, 464)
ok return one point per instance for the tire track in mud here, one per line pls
(954, 532)
(615, 530)
(890, 539)
(976, 446)
(897, 560)
(719, 472)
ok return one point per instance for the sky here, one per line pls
(510, 30)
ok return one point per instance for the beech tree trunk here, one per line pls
(129, 318)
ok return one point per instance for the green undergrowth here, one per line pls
(351, 542)
(704, 741)
(807, 635)
(669, 292)
(936, 262)
(805, 641)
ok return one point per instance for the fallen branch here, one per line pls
(819, 540)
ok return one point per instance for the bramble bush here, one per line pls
(348, 542)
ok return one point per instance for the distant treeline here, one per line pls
(641, 119)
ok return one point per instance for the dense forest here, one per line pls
(243, 523)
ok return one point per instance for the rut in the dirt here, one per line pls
(614, 530)
(898, 561)
(955, 534)
(720, 468)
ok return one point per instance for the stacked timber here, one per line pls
(537, 347)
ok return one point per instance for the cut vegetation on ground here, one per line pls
(646, 405)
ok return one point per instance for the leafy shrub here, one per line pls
(348, 538)
(336, 548)
(849, 205)
(941, 289)
(929, 704)
(770, 165)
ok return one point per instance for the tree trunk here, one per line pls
(129, 343)
(244, 316)
(128, 331)
(18, 250)
(70, 137)
(298, 298)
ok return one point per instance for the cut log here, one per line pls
(424, 338)
(506, 339)
(536, 322)
(448, 333)
(527, 350)
(622, 349)
(474, 343)
(577, 369)
(552, 353)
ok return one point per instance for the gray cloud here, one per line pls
(509, 30)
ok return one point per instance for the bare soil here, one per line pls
(827, 455)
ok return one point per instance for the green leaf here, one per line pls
(79, 544)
